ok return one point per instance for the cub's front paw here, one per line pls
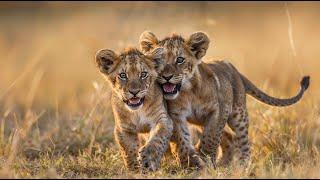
(149, 159)
(196, 161)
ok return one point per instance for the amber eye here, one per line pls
(123, 76)
(180, 60)
(143, 75)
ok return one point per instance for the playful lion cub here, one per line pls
(207, 95)
(138, 106)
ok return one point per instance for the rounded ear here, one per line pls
(106, 60)
(198, 43)
(147, 41)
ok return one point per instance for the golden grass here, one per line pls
(55, 108)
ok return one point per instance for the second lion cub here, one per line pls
(138, 106)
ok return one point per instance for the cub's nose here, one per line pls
(134, 92)
(167, 77)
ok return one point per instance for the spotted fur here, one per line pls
(207, 95)
(150, 116)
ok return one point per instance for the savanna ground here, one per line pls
(55, 107)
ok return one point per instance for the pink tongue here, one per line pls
(168, 87)
(134, 100)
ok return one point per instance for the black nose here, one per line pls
(167, 77)
(134, 92)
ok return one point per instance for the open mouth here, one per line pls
(169, 88)
(135, 101)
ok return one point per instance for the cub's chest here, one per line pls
(201, 109)
(143, 123)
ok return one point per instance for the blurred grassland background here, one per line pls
(55, 116)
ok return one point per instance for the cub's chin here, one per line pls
(171, 96)
(134, 103)
(170, 91)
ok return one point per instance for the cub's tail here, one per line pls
(252, 90)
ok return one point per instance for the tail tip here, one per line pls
(305, 82)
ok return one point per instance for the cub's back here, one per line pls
(225, 70)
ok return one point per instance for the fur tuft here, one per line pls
(305, 82)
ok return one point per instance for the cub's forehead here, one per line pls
(174, 46)
(172, 43)
(133, 58)
(131, 55)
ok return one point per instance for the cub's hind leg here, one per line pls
(239, 122)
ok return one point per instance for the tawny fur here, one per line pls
(151, 117)
(208, 95)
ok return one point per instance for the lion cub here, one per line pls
(206, 95)
(138, 106)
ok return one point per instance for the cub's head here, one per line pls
(181, 58)
(131, 74)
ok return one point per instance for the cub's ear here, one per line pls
(106, 60)
(198, 43)
(147, 41)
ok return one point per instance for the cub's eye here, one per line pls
(180, 60)
(143, 75)
(123, 76)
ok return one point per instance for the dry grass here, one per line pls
(55, 118)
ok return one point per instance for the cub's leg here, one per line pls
(182, 145)
(227, 146)
(151, 153)
(212, 132)
(129, 145)
(239, 122)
